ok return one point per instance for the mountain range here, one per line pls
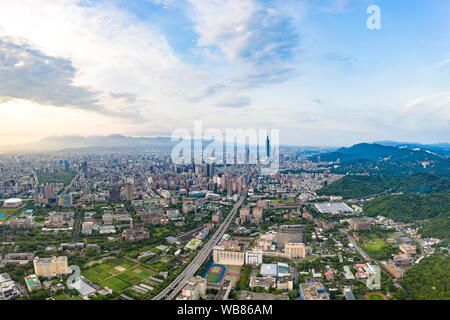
(377, 152)
(439, 148)
(111, 142)
(389, 150)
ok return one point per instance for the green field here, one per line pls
(282, 200)
(118, 274)
(373, 243)
(212, 277)
(8, 211)
(56, 177)
(375, 297)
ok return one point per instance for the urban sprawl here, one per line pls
(141, 227)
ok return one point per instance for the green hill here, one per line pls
(430, 279)
(410, 207)
(352, 186)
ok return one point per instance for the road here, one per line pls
(69, 186)
(171, 291)
(361, 252)
(367, 257)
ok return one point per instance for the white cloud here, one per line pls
(442, 63)
(247, 31)
(109, 49)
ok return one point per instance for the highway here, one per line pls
(171, 291)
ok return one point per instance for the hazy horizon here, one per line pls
(168, 137)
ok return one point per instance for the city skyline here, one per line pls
(145, 68)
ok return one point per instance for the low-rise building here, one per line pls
(403, 259)
(254, 257)
(408, 248)
(8, 289)
(313, 290)
(395, 271)
(33, 283)
(194, 289)
(295, 250)
(266, 282)
(362, 223)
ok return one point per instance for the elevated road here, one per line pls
(171, 291)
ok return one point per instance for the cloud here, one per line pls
(258, 40)
(96, 50)
(27, 73)
(330, 6)
(248, 31)
(430, 113)
(442, 64)
(346, 61)
(234, 102)
(428, 105)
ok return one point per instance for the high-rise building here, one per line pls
(49, 190)
(67, 200)
(50, 267)
(267, 147)
(129, 191)
(290, 233)
(211, 170)
(114, 193)
(228, 257)
(229, 187)
(85, 169)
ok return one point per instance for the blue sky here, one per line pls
(310, 68)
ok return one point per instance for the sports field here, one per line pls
(375, 296)
(232, 273)
(118, 274)
(215, 273)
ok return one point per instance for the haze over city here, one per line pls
(145, 68)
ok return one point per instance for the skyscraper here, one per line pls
(267, 147)
(114, 193)
(210, 170)
(85, 169)
(129, 191)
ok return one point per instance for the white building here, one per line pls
(254, 257)
(227, 257)
(8, 289)
(194, 289)
(12, 203)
